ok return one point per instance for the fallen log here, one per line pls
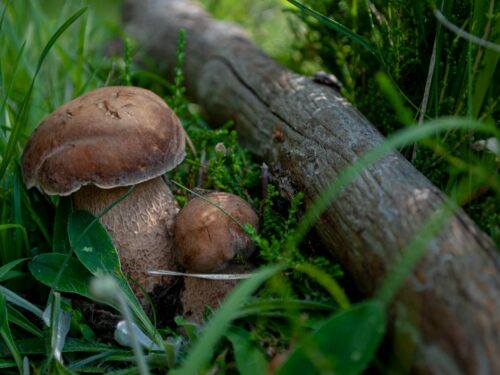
(310, 133)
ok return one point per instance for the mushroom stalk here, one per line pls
(141, 226)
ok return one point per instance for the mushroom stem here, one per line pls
(141, 227)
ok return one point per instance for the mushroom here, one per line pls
(208, 241)
(206, 238)
(98, 145)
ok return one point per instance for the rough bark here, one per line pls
(311, 133)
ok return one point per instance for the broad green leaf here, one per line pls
(344, 344)
(74, 279)
(60, 242)
(93, 245)
(7, 335)
(95, 249)
(220, 322)
(249, 357)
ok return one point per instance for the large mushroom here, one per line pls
(98, 145)
(207, 241)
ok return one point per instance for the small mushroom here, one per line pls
(209, 241)
(98, 145)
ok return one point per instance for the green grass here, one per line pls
(59, 52)
(40, 71)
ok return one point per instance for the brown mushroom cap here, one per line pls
(109, 137)
(206, 239)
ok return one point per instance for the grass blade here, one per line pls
(23, 111)
(282, 305)
(398, 139)
(6, 334)
(9, 266)
(334, 25)
(4, 11)
(60, 321)
(485, 78)
(60, 241)
(21, 228)
(6, 94)
(20, 301)
(21, 321)
(327, 282)
(216, 328)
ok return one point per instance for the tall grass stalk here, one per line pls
(22, 114)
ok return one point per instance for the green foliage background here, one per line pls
(383, 52)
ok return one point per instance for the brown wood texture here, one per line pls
(446, 318)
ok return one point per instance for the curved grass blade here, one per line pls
(76, 365)
(60, 322)
(15, 317)
(62, 370)
(401, 138)
(38, 346)
(20, 301)
(60, 242)
(334, 25)
(219, 324)
(21, 228)
(7, 335)
(9, 266)
(5, 363)
(4, 11)
(23, 111)
(413, 252)
(264, 307)
(327, 282)
(12, 78)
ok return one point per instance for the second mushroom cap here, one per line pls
(206, 238)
